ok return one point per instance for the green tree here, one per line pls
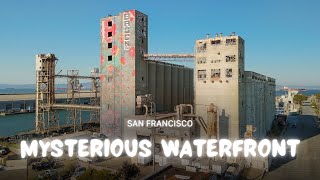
(299, 98)
(318, 96)
(129, 170)
(68, 168)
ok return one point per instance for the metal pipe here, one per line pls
(178, 111)
(155, 111)
(146, 114)
(200, 121)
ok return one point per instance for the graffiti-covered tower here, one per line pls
(124, 39)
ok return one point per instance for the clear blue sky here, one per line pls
(282, 37)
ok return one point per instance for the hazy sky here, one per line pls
(282, 37)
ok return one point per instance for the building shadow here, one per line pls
(223, 125)
(305, 127)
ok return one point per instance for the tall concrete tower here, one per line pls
(219, 79)
(124, 38)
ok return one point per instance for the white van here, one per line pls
(85, 159)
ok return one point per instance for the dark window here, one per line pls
(202, 60)
(142, 41)
(231, 58)
(215, 42)
(229, 73)
(202, 74)
(142, 19)
(202, 47)
(109, 58)
(215, 74)
(109, 34)
(231, 41)
(110, 23)
(109, 79)
(142, 78)
(109, 45)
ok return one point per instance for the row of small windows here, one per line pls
(110, 35)
(109, 45)
(215, 74)
(202, 47)
(232, 41)
(231, 58)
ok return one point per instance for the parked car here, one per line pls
(306, 103)
(43, 165)
(4, 151)
(78, 172)
(294, 125)
(85, 159)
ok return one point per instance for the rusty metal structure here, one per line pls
(46, 106)
(212, 114)
(94, 100)
(73, 97)
(45, 92)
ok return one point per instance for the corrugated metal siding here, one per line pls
(167, 89)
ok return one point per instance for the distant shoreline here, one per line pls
(14, 91)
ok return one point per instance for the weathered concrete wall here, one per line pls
(241, 100)
(224, 91)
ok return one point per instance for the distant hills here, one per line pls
(298, 87)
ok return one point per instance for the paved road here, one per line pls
(306, 125)
(305, 165)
